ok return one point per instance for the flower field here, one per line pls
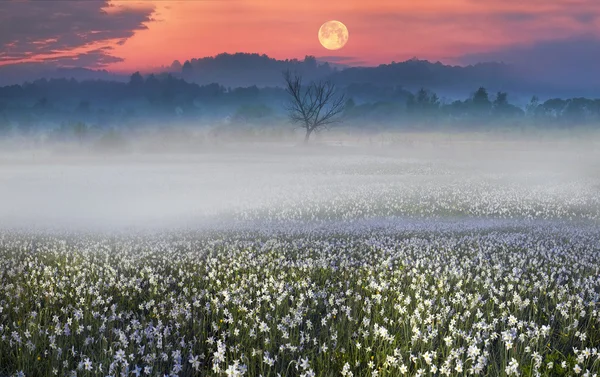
(516, 301)
(493, 276)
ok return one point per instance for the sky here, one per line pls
(129, 35)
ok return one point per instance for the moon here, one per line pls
(333, 35)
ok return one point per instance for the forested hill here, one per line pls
(233, 70)
(245, 69)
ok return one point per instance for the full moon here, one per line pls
(333, 35)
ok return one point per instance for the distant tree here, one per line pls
(310, 62)
(423, 106)
(554, 107)
(426, 100)
(434, 101)
(481, 99)
(503, 110)
(422, 97)
(176, 66)
(136, 80)
(314, 107)
(501, 100)
(456, 110)
(576, 111)
(532, 106)
(152, 82)
(500, 106)
(187, 70)
(480, 107)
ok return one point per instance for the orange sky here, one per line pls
(380, 30)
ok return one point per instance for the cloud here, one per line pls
(335, 59)
(513, 17)
(435, 30)
(94, 58)
(32, 30)
(585, 18)
(572, 61)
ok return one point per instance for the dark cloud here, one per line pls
(536, 21)
(94, 58)
(457, 18)
(584, 18)
(514, 16)
(36, 27)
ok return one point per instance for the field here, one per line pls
(480, 260)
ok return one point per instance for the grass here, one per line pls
(377, 301)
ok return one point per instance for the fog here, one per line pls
(426, 176)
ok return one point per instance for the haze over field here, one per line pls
(503, 179)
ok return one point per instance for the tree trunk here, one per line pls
(308, 132)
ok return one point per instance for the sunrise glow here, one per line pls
(153, 33)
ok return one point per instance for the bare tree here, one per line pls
(314, 107)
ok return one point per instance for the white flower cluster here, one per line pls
(348, 187)
(361, 299)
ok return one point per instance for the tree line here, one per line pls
(165, 99)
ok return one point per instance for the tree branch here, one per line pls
(317, 106)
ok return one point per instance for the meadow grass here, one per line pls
(522, 300)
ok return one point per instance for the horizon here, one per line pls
(320, 60)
